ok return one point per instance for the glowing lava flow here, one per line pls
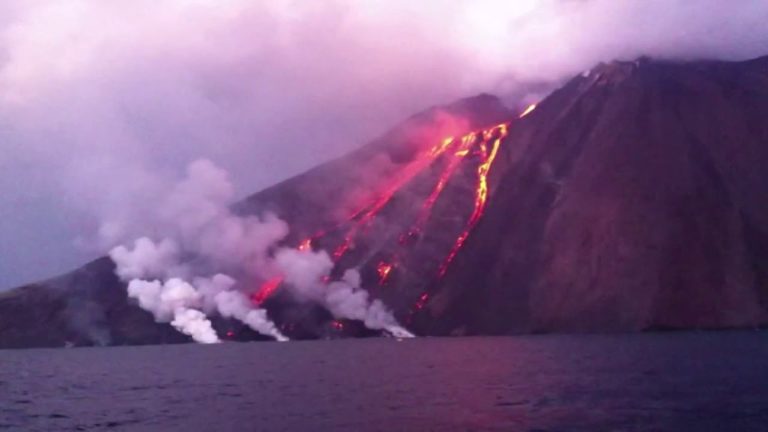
(527, 111)
(463, 150)
(266, 290)
(384, 269)
(270, 286)
(484, 143)
(364, 217)
(466, 143)
(481, 191)
(481, 197)
(305, 244)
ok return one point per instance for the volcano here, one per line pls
(632, 198)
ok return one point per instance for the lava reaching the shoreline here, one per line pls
(482, 146)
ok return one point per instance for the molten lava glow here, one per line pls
(448, 171)
(337, 325)
(528, 110)
(305, 245)
(466, 143)
(364, 217)
(481, 190)
(267, 289)
(482, 144)
(422, 301)
(343, 247)
(384, 269)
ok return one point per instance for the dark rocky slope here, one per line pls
(634, 198)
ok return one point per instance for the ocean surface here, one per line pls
(648, 382)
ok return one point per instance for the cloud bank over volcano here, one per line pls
(104, 104)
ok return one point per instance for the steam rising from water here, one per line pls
(306, 272)
(174, 301)
(194, 268)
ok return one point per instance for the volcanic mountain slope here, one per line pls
(632, 198)
(89, 305)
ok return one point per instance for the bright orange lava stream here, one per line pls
(366, 216)
(384, 269)
(528, 110)
(466, 143)
(266, 290)
(481, 191)
(305, 244)
(363, 217)
(484, 143)
(481, 197)
(270, 286)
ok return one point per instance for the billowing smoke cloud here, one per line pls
(201, 235)
(306, 275)
(192, 322)
(174, 301)
(103, 103)
(147, 259)
(346, 299)
(196, 217)
(233, 304)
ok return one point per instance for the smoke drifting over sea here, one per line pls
(104, 104)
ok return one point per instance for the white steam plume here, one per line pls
(346, 299)
(234, 304)
(304, 274)
(173, 301)
(202, 236)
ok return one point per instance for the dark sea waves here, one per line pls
(649, 382)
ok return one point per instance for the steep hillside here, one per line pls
(633, 198)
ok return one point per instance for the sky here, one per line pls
(103, 103)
